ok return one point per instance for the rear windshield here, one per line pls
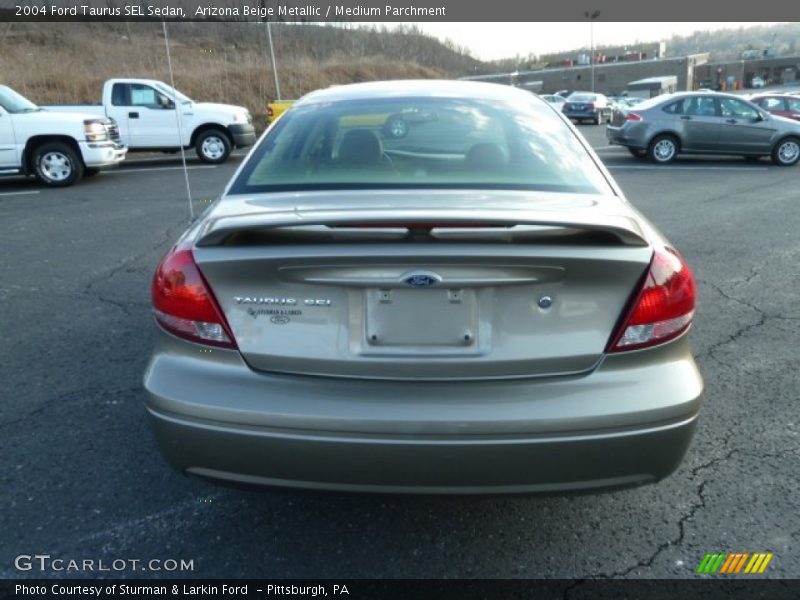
(427, 142)
(582, 98)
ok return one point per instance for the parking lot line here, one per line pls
(124, 170)
(234, 154)
(679, 168)
(19, 193)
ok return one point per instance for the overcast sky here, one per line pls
(489, 41)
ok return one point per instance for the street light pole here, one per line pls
(592, 17)
(274, 63)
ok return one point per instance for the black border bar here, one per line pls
(399, 10)
(409, 589)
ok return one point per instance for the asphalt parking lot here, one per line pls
(80, 476)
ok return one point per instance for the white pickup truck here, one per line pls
(153, 116)
(58, 148)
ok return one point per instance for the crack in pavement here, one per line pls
(65, 396)
(688, 516)
(76, 294)
(763, 317)
(88, 291)
(754, 272)
(691, 512)
(168, 235)
(693, 509)
(123, 306)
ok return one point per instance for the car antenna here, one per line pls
(178, 111)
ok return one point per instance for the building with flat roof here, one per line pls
(776, 70)
(609, 78)
(517, 79)
(605, 54)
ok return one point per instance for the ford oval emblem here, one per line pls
(421, 280)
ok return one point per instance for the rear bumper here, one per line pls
(627, 423)
(243, 135)
(618, 135)
(104, 154)
(581, 115)
(457, 465)
(315, 460)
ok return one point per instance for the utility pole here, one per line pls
(274, 65)
(271, 52)
(592, 16)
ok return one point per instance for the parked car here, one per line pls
(587, 106)
(783, 105)
(554, 99)
(473, 307)
(757, 82)
(704, 123)
(394, 125)
(57, 148)
(154, 116)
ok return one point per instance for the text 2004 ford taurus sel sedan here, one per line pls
(473, 307)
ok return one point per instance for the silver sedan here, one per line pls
(704, 123)
(471, 307)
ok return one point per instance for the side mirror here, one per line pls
(165, 103)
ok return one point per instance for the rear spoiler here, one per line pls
(625, 229)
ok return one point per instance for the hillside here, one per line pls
(229, 62)
(723, 45)
(728, 44)
(222, 62)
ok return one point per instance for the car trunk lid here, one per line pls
(423, 293)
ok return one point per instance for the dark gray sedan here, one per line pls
(587, 106)
(704, 123)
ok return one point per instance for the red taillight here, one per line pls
(664, 306)
(183, 303)
(591, 106)
(633, 117)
